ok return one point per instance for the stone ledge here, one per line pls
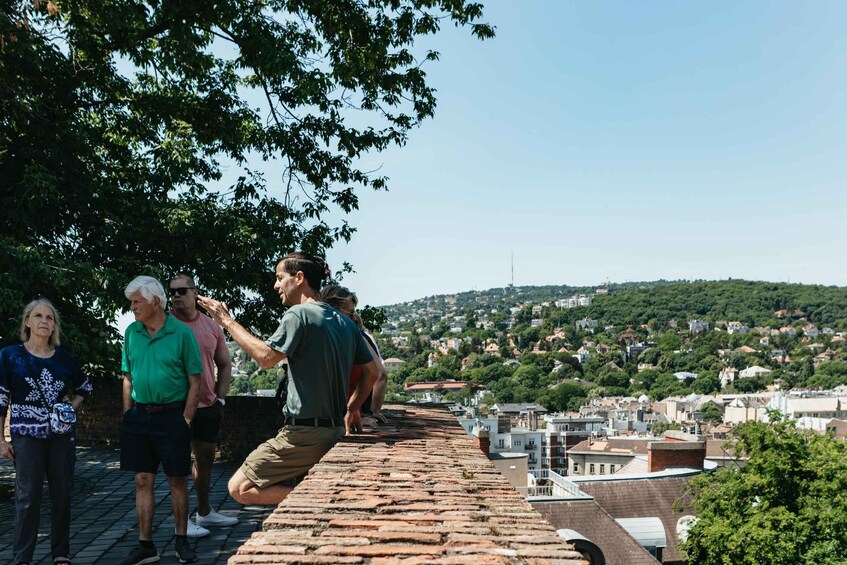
(416, 491)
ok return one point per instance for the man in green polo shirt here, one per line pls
(161, 380)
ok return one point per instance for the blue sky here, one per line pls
(628, 140)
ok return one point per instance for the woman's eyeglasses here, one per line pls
(182, 290)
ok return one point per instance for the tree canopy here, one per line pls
(786, 504)
(138, 138)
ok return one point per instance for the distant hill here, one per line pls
(750, 302)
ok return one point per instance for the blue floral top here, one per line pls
(30, 401)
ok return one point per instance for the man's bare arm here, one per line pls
(353, 418)
(261, 352)
(224, 365)
(127, 392)
(193, 398)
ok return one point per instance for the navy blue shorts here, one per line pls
(206, 425)
(150, 439)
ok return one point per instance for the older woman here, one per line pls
(345, 301)
(34, 377)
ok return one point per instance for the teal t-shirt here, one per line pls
(321, 345)
(160, 365)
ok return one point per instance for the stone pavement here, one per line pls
(103, 528)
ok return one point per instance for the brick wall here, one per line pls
(248, 420)
(415, 491)
(664, 454)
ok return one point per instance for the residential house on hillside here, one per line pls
(392, 363)
(737, 328)
(753, 372)
(586, 325)
(728, 376)
(698, 326)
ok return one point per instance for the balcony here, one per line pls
(559, 486)
(529, 447)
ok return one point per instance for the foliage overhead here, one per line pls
(150, 137)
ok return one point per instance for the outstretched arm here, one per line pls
(260, 351)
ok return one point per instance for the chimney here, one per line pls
(482, 440)
(664, 454)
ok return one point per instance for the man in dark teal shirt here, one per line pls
(320, 346)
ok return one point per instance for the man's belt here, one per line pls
(315, 422)
(154, 408)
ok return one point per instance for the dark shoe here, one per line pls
(184, 552)
(141, 555)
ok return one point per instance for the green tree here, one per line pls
(785, 505)
(712, 413)
(133, 137)
(706, 383)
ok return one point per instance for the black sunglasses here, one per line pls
(182, 290)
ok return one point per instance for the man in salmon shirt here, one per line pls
(214, 384)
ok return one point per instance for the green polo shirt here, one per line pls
(160, 365)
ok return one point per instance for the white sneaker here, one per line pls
(214, 519)
(195, 531)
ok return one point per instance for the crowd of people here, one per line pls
(176, 372)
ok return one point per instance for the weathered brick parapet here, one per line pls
(416, 491)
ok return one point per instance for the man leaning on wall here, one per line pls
(320, 346)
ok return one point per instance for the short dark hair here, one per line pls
(183, 275)
(313, 268)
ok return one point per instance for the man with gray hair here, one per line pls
(161, 378)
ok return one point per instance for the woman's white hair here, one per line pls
(149, 288)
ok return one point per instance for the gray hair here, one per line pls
(57, 329)
(149, 288)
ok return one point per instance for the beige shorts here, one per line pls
(293, 451)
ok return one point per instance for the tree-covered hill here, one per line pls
(532, 344)
(752, 303)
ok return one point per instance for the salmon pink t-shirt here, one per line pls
(210, 338)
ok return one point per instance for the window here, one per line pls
(517, 443)
(602, 468)
(576, 468)
(501, 443)
(611, 469)
(591, 468)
